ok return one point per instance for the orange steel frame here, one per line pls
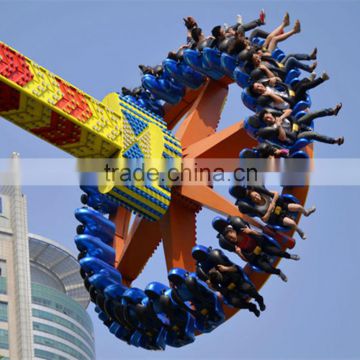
(177, 229)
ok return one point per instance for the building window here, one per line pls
(63, 335)
(2, 267)
(59, 346)
(3, 285)
(51, 298)
(63, 322)
(4, 339)
(1, 205)
(3, 311)
(42, 354)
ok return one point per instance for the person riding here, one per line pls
(260, 65)
(282, 126)
(278, 95)
(221, 274)
(253, 247)
(270, 206)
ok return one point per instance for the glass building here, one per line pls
(42, 298)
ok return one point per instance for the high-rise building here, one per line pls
(42, 298)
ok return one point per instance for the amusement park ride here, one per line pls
(114, 248)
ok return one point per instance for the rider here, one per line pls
(220, 273)
(278, 95)
(251, 246)
(270, 206)
(281, 125)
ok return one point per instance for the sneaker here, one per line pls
(262, 306)
(313, 66)
(301, 234)
(125, 91)
(262, 16)
(283, 276)
(340, 140)
(310, 211)
(145, 69)
(337, 108)
(313, 55)
(312, 76)
(254, 310)
(294, 257)
(239, 19)
(325, 76)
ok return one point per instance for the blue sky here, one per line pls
(98, 45)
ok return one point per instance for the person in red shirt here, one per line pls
(251, 246)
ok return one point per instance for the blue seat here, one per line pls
(248, 100)
(183, 73)
(292, 76)
(278, 55)
(199, 249)
(258, 41)
(93, 197)
(228, 64)
(96, 224)
(131, 98)
(302, 105)
(194, 59)
(164, 89)
(212, 59)
(151, 333)
(190, 290)
(242, 79)
(93, 265)
(120, 332)
(152, 105)
(180, 324)
(94, 247)
(101, 280)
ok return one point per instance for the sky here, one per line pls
(97, 45)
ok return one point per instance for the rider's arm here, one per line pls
(267, 72)
(250, 231)
(239, 253)
(224, 268)
(285, 114)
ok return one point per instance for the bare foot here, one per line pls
(286, 19)
(297, 27)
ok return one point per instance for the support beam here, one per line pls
(178, 228)
(140, 245)
(204, 116)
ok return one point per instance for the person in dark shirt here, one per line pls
(282, 126)
(229, 279)
(190, 24)
(278, 95)
(262, 65)
(270, 206)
